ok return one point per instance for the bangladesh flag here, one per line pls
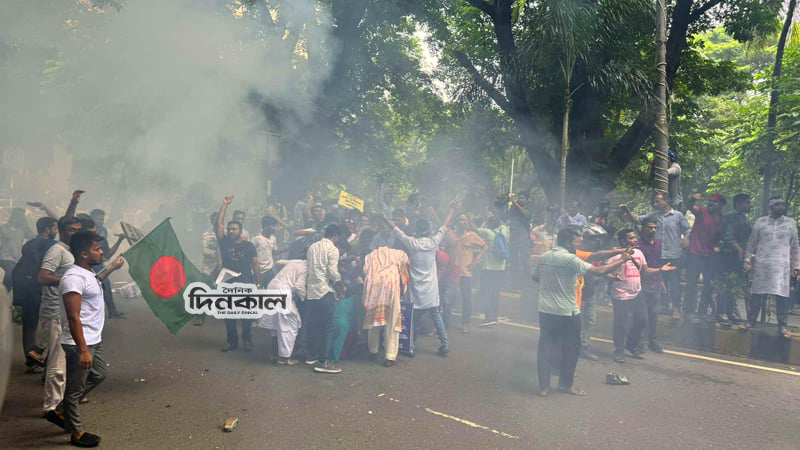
(161, 270)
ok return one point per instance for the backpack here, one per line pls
(26, 272)
(500, 247)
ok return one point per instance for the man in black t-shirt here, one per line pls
(238, 256)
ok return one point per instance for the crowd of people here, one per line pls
(349, 271)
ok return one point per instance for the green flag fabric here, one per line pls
(161, 270)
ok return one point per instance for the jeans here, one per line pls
(696, 265)
(781, 309)
(622, 308)
(80, 382)
(321, 326)
(436, 315)
(465, 286)
(233, 336)
(447, 293)
(492, 282)
(559, 344)
(672, 279)
(651, 301)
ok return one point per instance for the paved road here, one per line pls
(479, 397)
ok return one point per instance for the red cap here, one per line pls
(718, 198)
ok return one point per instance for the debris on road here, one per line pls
(231, 424)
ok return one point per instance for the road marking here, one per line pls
(676, 353)
(471, 424)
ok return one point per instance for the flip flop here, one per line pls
(576, 391)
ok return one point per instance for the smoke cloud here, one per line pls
(154, 96)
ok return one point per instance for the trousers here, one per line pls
(56, 373)
(321, 326)
(80, 382)
(622, 309)
(559, 347)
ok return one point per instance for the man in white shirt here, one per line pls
(323, 277)
(265, 243)
(423, 282)
(82, 318)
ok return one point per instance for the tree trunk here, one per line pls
(641, 129)
(565, 147)
(661, 130)
(772, 117)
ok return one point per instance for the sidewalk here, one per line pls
(762, 342)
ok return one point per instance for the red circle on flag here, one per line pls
(167, 277)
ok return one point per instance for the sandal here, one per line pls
(84, 400)
(616, 380)
(572, 391)
(786, 333)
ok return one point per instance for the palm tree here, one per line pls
(571, 32)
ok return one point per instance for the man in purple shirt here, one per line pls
(652, 283)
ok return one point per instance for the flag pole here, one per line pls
(145, 236)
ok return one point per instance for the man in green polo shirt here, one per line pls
(559, 312)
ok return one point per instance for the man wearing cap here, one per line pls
(703, 255)
(773, 257)
(672, 226)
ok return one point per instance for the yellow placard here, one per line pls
(351, 201)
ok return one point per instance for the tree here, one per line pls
(485, 40)
(772, 117)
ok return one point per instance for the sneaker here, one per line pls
(724, 320)
(230, 347)
(327, 367)
(311, 362)
(286, 362)
(116, 315)
(693, 319)
(587, 354)
(443, 351)
(709, 318)
(387, 363)
(619, 357)
(488, 324)
(465, 329)
(676, 314)
(655, 347)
